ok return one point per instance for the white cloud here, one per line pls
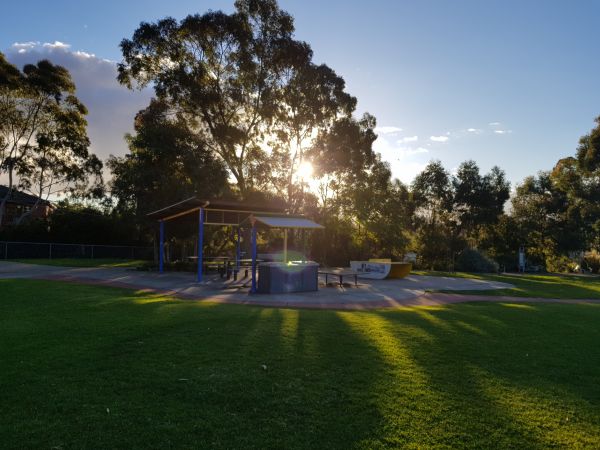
(86, 55)
(111, 106)
(494, 124)
(502, 131)
(439, 138)
(405, 161)
(24, 45)
(388, 130)
(56, 45)
(408, 139)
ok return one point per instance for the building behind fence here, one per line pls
(50, 250)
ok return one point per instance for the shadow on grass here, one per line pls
(528, 378)
(95, 366)
(527, 285)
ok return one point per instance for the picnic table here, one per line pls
(221, 263)
(246, 263)
(226, 265)
(339, 272)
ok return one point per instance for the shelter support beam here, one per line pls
(237, 251)
(253, 238)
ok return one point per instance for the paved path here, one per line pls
(410, 291)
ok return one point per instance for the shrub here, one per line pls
(591, 261)
(560, 264)
(471, 260)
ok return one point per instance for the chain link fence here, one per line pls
(50, 250)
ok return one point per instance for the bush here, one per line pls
(560, 264)
(471, 260)
(591, 261)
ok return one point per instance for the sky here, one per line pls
(507, 83)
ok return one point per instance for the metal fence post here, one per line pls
(50, 251)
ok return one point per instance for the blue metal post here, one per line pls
(161, 247)
(237, 251)
(200, 243)
(253, 289)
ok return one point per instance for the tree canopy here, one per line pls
(167, 162)
(244, 85)
(43, 137)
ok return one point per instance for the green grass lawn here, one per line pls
(530, 285)
(98, 367)
(84, 262)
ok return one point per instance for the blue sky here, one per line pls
(505, 83)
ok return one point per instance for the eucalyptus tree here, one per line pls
(313, 100)
(231, 77)
(551, 223)
(43, 136)
(433, 193)
(435, 221)
(366, 212)
(478, 200)
(588, 150)
(167, 162)
(343, 156)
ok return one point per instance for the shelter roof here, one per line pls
(286, 222)
(229, 212)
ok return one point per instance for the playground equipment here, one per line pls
(378, 269)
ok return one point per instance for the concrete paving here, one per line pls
(368, 294)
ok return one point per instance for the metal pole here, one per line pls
(50, 251)
(253, 289)
(200, 243)
(285, 237)
(161, 247)
(237, 251)
(304, 255)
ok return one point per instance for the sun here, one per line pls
(304, 171)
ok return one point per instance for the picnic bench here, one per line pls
(339, 272)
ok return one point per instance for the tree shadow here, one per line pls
(511, 374)
(193, 374)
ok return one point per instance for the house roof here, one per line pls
(19, 197)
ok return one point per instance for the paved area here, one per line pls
(368, 294)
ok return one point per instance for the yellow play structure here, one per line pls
(380, 268)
